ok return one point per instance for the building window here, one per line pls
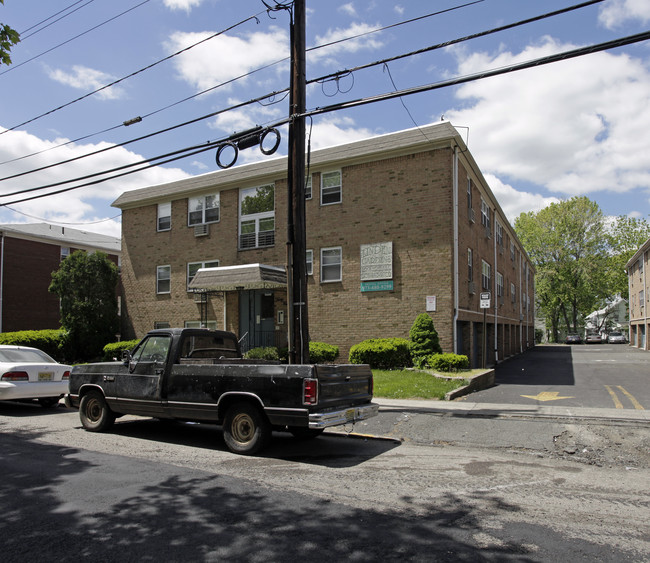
(161, 324)
(330, 265)
(486, 275)
(641, 299)
(640, 268)
(212, 325)
(257, 217)
(513, 294)
(469, 193)
(164, 216)
(470, 265)
(163, 279)
(310, 262)
(308, 187)
(512, 251)
(499, 284)
(330, 188)
(204, 209)
(485, 214)
(65, 252)
(193, 267)
(499, 234)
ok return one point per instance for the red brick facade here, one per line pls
(396, 189)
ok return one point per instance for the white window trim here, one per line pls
(159, 216)
(340, 278)
(310, 262)
(257, 217)
(309, 182)
(486, 284)
(322, 176)
(215, 264)
(158, 279)
(217, 195)
(470, 265)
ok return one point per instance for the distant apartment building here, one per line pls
(637, 272)
(29, 253)
(397, 225)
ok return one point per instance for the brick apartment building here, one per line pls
(397, 225)
(29, 253)
(638, 282)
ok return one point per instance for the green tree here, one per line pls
(86, 284)
(567, 244)
(625, 236)
(424, 339)
(8, 38)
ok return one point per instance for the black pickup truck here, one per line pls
(199, 375)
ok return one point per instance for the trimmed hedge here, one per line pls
(50, 341)
(263, 353)
(382, 353)
(113, 351)
(322, 353)
(424, 340)
(448, 362)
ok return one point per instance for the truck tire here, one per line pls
(94, 413)
(245, 429)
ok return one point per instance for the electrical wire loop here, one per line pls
(223, 147)
(245, 140)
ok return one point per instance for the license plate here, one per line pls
(349, 414)
(45, 376)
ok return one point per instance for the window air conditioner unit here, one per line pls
(488, 232)
(471, 215)
(201, 230)
(472, 288)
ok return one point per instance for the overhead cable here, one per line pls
(22, 33)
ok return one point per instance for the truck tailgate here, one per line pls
(343, 385)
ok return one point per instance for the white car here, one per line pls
(29, 373)
(616, 337)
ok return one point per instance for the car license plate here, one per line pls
(349, 414)
(45, 376)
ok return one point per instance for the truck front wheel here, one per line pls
(245, 429)
(94, 413)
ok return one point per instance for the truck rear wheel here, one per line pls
(94, 413)
(245, 429)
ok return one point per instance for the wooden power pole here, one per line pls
(297, 278)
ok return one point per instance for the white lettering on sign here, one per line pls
(377, 261)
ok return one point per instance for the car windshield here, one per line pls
(25, 355)
(615, 334)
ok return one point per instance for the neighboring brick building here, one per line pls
(29, 253)
(638, 281)
(397, 225)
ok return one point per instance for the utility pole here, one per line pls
(297, 243)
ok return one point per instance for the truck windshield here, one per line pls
(152, 349)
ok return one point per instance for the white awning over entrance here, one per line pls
(234, 278)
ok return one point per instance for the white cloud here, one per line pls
(74, 206)
(87, 79)
(186, 5)
(616, 12)
(399, 9)
(226, 57)
(348, 9)
(575, 127)
(366, 41)
(334, 131)
(514, 202)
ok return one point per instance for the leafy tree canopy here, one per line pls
(86, 284)
(625, 236)
(8, 38)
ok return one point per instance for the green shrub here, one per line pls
(262, 353)
(382, 353)
(50, 341)
(114, 350)
(321, 353)
(448, 362)
(424, 340)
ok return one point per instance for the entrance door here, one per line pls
(257, 318)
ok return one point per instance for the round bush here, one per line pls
(382, 353)
(448, 362)
(263, 353)
(113, 351)
(321, 353)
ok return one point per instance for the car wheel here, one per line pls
(94, 413)
(49, 402)
(245, 429)
(305, 433)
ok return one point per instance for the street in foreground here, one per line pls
(153, 491)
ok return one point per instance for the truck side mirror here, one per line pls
(126, 357)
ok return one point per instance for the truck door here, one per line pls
(139, 390)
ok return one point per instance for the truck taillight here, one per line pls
(66, 375)
(15, 376)
(310, 391)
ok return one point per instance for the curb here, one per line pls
(476, 383)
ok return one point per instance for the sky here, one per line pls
(577, 127)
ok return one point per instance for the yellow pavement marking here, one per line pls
(614, 397)
(546, 396)
(636, 403)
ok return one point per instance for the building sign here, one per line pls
(377, 261)
(431, 303)
(377, 286)
(485, 300)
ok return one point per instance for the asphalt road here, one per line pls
(592, 376)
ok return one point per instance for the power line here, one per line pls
(15, 66)
(22, 33)
(62, 222)
(565, 55)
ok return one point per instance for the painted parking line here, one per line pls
(617, 402)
